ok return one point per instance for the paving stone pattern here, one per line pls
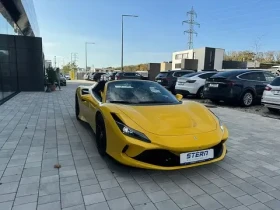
(39, 130)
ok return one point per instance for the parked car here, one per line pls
(141, 124)
(104, 77)
(192, 84)
(67, 76)
(271, 95)
(86, 76)
(128, 75)
(96, 76)
(168, 79)
(237, 86)
(112, 76)
(62, 81)
(90, 77)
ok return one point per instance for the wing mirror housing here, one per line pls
(179, 97)
(86, 97)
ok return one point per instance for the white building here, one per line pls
(48, 63)
(198, 59)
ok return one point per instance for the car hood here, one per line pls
(182, 119)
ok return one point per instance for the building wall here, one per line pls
(21, 64)
(48, 63)
(165, 66)
(219, 57)
(153, 69)
(178, 56)
(200, 56)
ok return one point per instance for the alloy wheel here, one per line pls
(248, 99)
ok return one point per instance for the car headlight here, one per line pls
(133, 133)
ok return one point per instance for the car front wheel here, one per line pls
(77, 108)
(101, 140)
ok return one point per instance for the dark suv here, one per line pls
(96, 77)
(127, 75)
(168, 79)
(237, 86)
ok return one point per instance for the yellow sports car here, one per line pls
(141, 124)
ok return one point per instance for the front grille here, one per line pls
(166, 158)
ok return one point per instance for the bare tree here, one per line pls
(256, 48)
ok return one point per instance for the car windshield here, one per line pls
(138, 92)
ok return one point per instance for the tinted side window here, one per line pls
(276, 82)
(254, 76)
(129, 74)
(206, 76)
(269, 77)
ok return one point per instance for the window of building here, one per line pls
(185, 55)
(194, 55)
(177, 65)
(178, 56)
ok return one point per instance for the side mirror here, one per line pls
(86, 97)
(179, 97)
(85, 91)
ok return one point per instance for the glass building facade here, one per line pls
(18, 18)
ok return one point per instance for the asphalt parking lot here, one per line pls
(39, 130)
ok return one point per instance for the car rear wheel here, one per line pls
(77, 108)
(200, 93)
(247, 99)
(101, 140)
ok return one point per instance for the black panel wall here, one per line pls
(189, 64)
(209, 58)
(21, 65)
(29, 58)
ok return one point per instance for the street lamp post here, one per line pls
(86, 43)
(122, 38)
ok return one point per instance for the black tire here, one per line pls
(101, 140)
(200, 93)
(77, 108)
(272, 109)
(215, 101)
(247, 99)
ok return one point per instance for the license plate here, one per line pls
(277, 92)
(180, 83)
(158, 80)
(214, 85)
(196, 156)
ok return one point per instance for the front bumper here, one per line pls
(164, 155)
(140, 162)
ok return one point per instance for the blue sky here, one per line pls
(65, 25)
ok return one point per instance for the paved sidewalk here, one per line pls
(39, 130)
